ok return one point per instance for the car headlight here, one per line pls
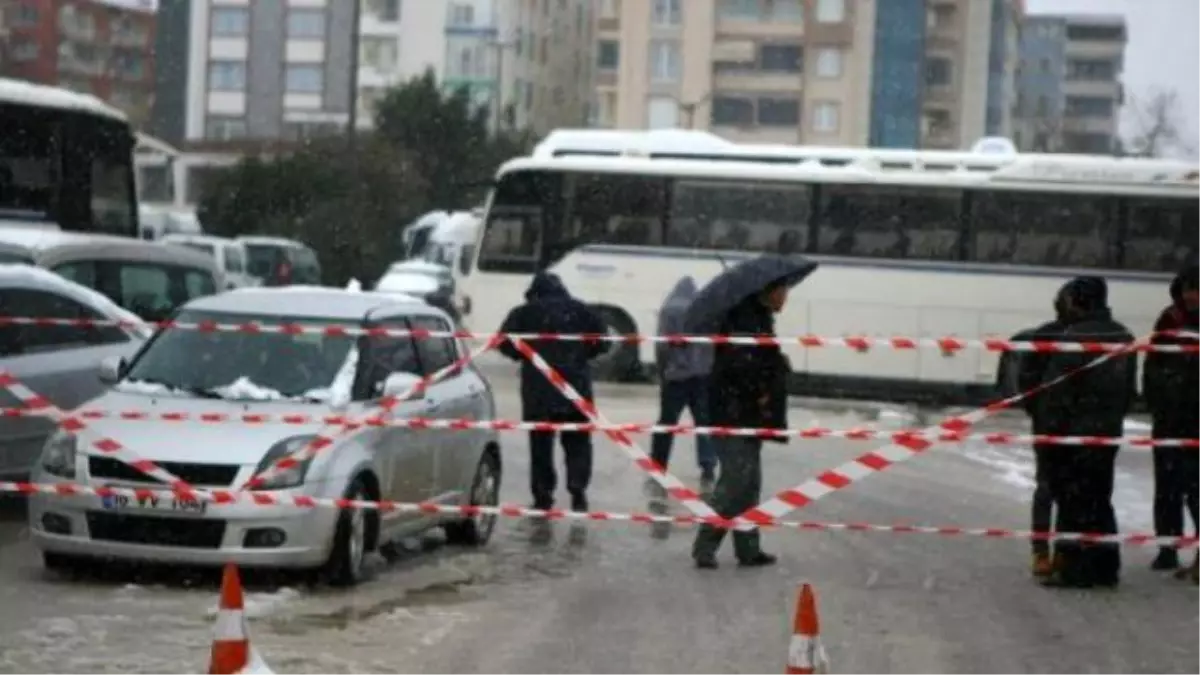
(291, 476)
(58, 456)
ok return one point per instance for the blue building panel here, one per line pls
(898, 72)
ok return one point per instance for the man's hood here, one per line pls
(1187, 278)
(682, 294)
(546, 286)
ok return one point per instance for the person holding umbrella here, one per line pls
(747, 388)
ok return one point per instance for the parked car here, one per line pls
(238, 373)
(146, 278)
(281, 262)
(58, 362)
(428, 281)
(228, 254)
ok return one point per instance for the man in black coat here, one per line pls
(1027, 370)
(1091, 402)
(747, 388)
(549, 308)
(1171, 385)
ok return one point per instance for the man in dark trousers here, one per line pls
(1171, 385)
(1091, 402)
(683, 371)
(549, 308)
(747, 388)
(1027, 370)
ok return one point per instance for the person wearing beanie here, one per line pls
(1093, 400)
(1171, 386)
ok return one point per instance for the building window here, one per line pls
(303, 79)
(609, 9)
(26, 15)
(831, 11)
(938, 72)
(784, 11)
(226, 76)
(781, 58)
(941, 17)
(667, 13)
(384, 10)
(225, 128)
(379, 53)
(306, 24)
(230, 21)
(662, 112)
(826, 117)
(24, 49)
(664, 61)
(1089, 106)
(739, 10)
(1095, 70)
(732, 111)
(937, 123)
(829, 62)
(778, 112)
(462, 15)
(608, 54)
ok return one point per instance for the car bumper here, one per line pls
(87, 525)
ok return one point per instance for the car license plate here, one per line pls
(121, 502)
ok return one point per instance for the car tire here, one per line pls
(485, 491)
(620, 363)
(348, 554)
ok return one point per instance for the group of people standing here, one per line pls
(1089, 396)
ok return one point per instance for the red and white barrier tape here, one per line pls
(674, 487)
(899, 450)
(326, 437)
(466, 424)
(514, 511)
(74, 426)
(862, 343)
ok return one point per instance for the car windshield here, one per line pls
(242, 366)
(263, 259)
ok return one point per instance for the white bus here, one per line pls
(66, 161)
(910, 243)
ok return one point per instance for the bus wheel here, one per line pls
(619, 362)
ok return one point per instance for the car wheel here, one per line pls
(349, 552)
(485, 491)
(619, 362)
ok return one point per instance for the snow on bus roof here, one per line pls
(25, 93)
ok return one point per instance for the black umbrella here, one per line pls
(739, 282)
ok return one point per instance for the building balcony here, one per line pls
(758, 29)
(755, 80)
(372, 25)
(940, 93)
(1101, 88)
(1090, 125)
(1095, 50)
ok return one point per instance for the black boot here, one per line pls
(759, 559)
(579, 502)
(1167, 559)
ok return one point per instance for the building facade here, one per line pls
(1069, 88)
(890, 73)
(99, 47)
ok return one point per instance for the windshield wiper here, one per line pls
(198, 392)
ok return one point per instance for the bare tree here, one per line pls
(1158, 128)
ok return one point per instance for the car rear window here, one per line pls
(153, 291)
(206, 249)
(263, 259)
(307, 270)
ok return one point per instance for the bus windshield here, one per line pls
(65, 165)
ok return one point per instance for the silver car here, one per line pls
(236, 373)
(58, 362)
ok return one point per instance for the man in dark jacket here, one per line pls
(1091, 402)
(747, 388)
(549, 308)
(1028, 369)
(1171, 385)
(683, 370)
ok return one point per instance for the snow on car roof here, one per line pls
(309, 301)
(40, 240)
(270, 241)
(37, 277)
(25, 93)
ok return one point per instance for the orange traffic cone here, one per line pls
(805, 653)
(231, 641)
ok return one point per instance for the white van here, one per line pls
(228, 254)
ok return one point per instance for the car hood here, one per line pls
(196, 442)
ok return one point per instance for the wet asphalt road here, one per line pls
(617, 599)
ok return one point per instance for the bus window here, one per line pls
(112, 207)
(27, 169)
(522, 203)
(1044, 229)
(900, 223)
(1161, 234)
(740, 216)
(615, 209)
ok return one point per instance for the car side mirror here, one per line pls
(397, 384)
(112, 369)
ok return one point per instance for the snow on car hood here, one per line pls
(407, 283)
(196, 442)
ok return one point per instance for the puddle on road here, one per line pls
(439, 594)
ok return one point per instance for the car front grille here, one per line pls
(212, 475)
(154, 531)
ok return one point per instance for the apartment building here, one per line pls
(1069, 89)
(889, 73)
(99, 47)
